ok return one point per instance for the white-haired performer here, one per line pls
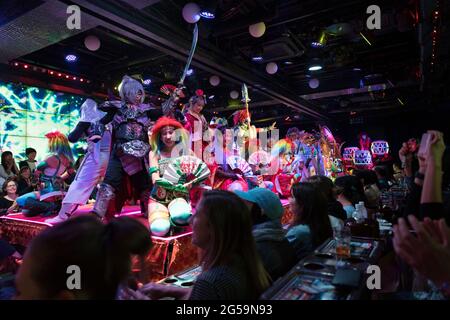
(95, 162)
(130, 119)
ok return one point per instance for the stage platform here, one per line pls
(169, 255)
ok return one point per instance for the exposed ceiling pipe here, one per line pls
(344, 92)
(175, 42)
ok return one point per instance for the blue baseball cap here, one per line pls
(268, 201)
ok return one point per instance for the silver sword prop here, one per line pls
(191, 55)
(168, 105)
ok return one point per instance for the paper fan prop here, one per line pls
(183, 171)
(259, 157)
(239, 163)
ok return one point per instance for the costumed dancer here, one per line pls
(282, 157)
(196, 123)
(52, 172)
(243, 133)
(173, 170)
(364, 141)
(130, 119)
(222, 175)
(169, 107)
(94, 164)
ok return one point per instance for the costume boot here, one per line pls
(144, 198)
(104, 195)
(67, 209)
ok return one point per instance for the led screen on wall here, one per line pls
(28, 113)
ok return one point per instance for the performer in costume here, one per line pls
(222, 176)
(52, 172)
(243, 132)
(196, 123)
(169, 107)
(130, 119)
(364, 141)
(169, 140)
(283, 158)
(94, 164)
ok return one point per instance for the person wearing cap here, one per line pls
(276, 252)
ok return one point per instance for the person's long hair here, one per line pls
(59, 144)
(102, 252)
(3, 162)
(325, 184)
(231, 237)
(351, 188)
(312, 211)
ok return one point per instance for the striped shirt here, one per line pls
(223, 283)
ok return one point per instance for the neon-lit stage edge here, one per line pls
(169, 255)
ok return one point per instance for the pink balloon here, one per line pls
(92, 43)
(257, 30)
(191, 12)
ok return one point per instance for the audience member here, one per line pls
(326, 185)
(9, 189)
(384, 182)
(231, 267)
(428, 251)
(370, 182)
(25, 182)
(350, 191)
(277, 254)
(8, 167)
(102, 252)
(30, 161)
(311, 225)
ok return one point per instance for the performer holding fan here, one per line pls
(173, 171)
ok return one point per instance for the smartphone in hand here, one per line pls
(424, 144)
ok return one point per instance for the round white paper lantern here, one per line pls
(257, 30)
(271, 68)
(191, 12)
(92, 43)
(314, 83)
(214, 80)
(234, 94)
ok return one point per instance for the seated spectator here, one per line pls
(8, 167)
(277, 254)
(383, 178)
(349, 192)
(9, 189)
(326, 185)
(231, 267)
(24, 182)
(427, 197)
(311, 225)
(7, 250)
(398, 173)
(30, 161)
(370, 182)
(102, 252)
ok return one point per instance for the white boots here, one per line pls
(66, 211)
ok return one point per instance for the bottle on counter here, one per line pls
(362, 224)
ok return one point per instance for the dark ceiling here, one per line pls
(365, 73)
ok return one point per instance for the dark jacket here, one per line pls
(277, 254)
(335, 209)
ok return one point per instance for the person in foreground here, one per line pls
(231, 267)
(102, 253)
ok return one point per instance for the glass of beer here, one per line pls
(342, 237)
